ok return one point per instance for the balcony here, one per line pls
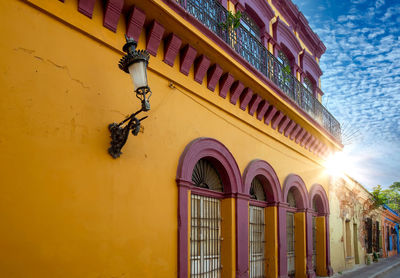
(211, 13)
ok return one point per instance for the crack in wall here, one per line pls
(48, 61)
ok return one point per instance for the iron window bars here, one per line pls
(257, 242)
(290, 243)
(211, 13)
(205, 237)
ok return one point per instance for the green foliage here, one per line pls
(286, 73)
(389, 197)
(232, 21)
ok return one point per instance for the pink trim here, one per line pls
(268, 177)
(310, 143)
(284, 123)
(300, 135)
(272, 188)
(188, 54)
(206, 192)
(225, 84)
(86, 7)
(112, 14)
(305, 138)
(270, 114)
(310, 66)
(282, 259)
(242, 237)
(277, 119)
(201, 66)
(227, 167)
(172, 45)
(223, 161)
(289, 128)
(255, 101)
(295, 131)
(284, 36)
(262, 109)
(309, 244)
(245, 98)
(135, 23)
(154, 37)
(207, 32)
(214, 74)
(296, 19)
(260, 11)
(236, 91)
(300, 191)
(317, 191)
(257, 203)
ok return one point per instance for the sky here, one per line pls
(361, 81)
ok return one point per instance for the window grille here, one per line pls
(314, 251)
(291, 199)
(205, 237)
(290, 243)
(257, 190)
(283, 59)
(308, 84)
(206, 176)
(257, 242)
(250, 25)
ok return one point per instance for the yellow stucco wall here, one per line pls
(67, 208)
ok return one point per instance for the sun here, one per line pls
(338, 164)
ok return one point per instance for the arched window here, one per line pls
(250, 25)
(257, 231)
(205, 239)
(283, 58)
(290, 233)
(249, 41)
(308, 84)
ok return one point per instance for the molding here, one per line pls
(172, 45)
(245, 98)
(260, 11)
(310, 66)
(301, 194)
(285, 36)
(254, 103)
(188, 54)
(269, 179)
(154, 37)
(283, 124)
(112, 14)
(213, 76)
(135, 23)
(236, 90)
(225, 84)
(201, 66)
(317, 191)
(86, 7)
(262, 109)
(300, 24)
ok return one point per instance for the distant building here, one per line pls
(390, 232)
(225, 178)
(356, 226)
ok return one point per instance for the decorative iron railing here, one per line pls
(211, 13)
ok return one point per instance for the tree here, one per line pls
(389, 197)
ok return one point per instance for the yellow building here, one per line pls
(226, 174)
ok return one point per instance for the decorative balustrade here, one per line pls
(211, 13)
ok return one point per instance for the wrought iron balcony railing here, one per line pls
(211, 13)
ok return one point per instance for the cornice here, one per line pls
(299, 23)
(284, 34)
(309, 65)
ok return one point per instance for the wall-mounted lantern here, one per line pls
(135, 63)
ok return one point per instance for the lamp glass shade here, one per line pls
(138, 72)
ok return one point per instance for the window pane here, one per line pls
(257, 242)
(205, 240)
